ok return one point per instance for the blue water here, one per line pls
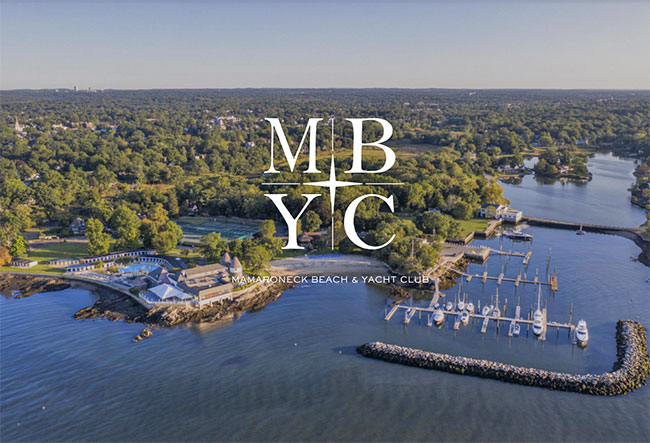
(138, 269)
(289, 372)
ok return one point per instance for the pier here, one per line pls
(509, 253)
(493, 314)
(500, 279)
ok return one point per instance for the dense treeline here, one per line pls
(157, 155)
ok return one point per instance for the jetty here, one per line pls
(574, 226)
(630, 371)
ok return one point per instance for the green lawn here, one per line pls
(474, 224)
(48, 252)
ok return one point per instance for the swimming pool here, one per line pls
(142, 268)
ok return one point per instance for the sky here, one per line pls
(415, 44)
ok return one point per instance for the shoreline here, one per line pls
(113, 304)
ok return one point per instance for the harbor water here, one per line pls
(290, 372)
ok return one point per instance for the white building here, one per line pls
(512, 215)
(165, 293)
(503, 212)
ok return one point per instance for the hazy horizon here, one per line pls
(387, 88)
(325, 45)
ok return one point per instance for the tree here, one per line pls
(267, 229)
(440, 224)
(462, 210)
(18, 247)
(166, 238)
(493, 193)
(313, 221)
(5, 257)
(172, 203)
(256, 258)
(127, 224)
(212, 246)
(98, 240)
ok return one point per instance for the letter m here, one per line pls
(292, 158)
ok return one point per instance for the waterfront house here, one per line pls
(492, 210)
(511, 215)
(502, 212)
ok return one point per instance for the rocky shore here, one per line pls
(630, 370)
(115, 306)
(28, 285)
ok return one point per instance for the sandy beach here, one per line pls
(334, 264)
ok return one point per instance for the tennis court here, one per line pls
(196, 227)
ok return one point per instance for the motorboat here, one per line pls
(516, 330)
(461, 305)
(449, 306)
(580, 231)
(438, 316)
(496, 311)
(470, 307)
(517, 235)
(538, 323)
(486, 310)
(538, 317)
(464, 317)
(582, 333)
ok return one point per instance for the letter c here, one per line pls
(348, 221)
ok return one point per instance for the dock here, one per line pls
(552, 282)
(514, 321)
(493, 314)
(392, 311)
(408, 315)
(509, 253)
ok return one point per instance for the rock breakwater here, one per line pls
(630, 370)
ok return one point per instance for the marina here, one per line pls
(493, 315)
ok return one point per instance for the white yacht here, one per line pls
(516, 330)
(486, 310)
(580, 231)
(449, 306)
(461, 304)
(464, 317)
(517, 235)
(538, 317)
(582, 333)
(470, 307)
(538, 324)
(438, 316)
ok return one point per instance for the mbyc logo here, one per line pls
(332, 184)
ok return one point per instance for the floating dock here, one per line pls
(500, 279)
(493, 314)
